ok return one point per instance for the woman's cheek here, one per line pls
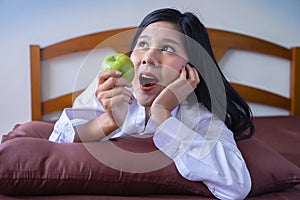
(134, 58)
(169, 75)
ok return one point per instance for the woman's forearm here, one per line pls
(95, 129)
(159, 114)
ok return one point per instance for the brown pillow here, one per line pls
(42, 167)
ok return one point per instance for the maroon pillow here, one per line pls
(34, 166)
(269, 170)
(33, 129)
(42, 167)
(281, 133)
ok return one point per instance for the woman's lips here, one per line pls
(148, 81)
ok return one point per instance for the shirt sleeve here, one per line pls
(208, 153)
(63, 131)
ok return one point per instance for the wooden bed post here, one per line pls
(295, 80)
(35, 72)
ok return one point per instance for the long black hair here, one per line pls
(237, 114)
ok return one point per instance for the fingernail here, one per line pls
(118, 73)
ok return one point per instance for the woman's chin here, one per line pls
(146, 97)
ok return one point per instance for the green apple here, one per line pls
(119, 62)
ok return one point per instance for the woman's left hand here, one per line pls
(174, 94)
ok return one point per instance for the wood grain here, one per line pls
(221, 42)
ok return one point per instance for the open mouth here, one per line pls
(148, 81)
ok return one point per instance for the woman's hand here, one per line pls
(114, 95)
(174, 93)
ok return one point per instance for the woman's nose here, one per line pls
(151, 57)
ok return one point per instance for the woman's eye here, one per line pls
(142, 45)
(168, 49)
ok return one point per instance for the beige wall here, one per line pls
(46, 22)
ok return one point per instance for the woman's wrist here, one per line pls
(159, 114)
(95, 129)
(106, 124)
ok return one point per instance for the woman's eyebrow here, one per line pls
(167, 40)
(172, 41)
(144, 36)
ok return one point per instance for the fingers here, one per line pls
(191, 75)
(183, 73)
(112, 89)
(110, 79)
(103, 76)
(109, 103)
(117, 91)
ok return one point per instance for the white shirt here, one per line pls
(201, 146)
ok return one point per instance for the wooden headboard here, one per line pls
(221, 42)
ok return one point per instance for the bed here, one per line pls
(34, 168)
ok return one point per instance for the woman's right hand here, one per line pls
(114, 94)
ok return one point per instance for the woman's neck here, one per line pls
(147, 112)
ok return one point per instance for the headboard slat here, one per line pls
(256, 95)
(295, 82)
(59, 103)
(36, 84)
(219, 52)
(88, 42)
(224, 40)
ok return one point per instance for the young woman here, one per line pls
(180, 96)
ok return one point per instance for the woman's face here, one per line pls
(158, 57)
